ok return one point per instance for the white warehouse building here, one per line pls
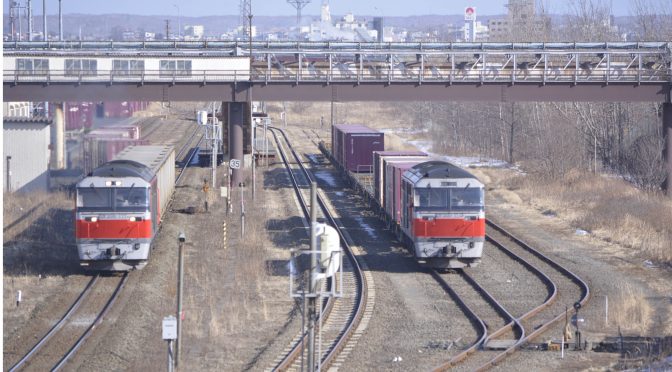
(25, 154)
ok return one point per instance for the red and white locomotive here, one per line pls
(119, 208)
(443, 215)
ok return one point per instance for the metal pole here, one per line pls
(213, 156)
(313, 266)
(242, 210)
(667, 156)
(20, 23)
(30, 20)
(60, 20)
(44, 20)
(9, 175)
(180, 287)
(170, 356)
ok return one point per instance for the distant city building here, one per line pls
(129, 35)
(473, 31)
(150, 36)
(194, 32)
(521, 23)
(25, 153)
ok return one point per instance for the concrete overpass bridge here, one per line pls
(234, 72)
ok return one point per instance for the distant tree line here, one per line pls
(549, 139)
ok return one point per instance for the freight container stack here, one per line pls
(353, 146)
(78, 115)
(119, 109)
(379, 158)
(101, 145)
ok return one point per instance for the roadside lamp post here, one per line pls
(180, 273)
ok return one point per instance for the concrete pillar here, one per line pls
(667, 152)
(58, 138)
(236, 120)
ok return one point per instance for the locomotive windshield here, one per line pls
(129, 199)
(450, 199)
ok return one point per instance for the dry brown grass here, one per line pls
(631, 311)
(609, 208)
(248, 255)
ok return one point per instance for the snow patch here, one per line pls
(366, 227)
(326, 177)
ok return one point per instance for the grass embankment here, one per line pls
(608, 208)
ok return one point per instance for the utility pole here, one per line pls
(298, 5)
(313, 268)
(44, 20)
(167, 29)
(180, 280)
(9, 174)
(60, 20)
(179, 22)
(30, 20)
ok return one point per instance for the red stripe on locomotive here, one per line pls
(114, 229)
(449, 228)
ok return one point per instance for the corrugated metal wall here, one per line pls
(28, 145)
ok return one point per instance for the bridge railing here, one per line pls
(114, 76)
(360, 73)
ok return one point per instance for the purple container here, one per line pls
(355, 146)
(394, 171)
(379, 168)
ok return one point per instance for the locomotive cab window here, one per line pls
(133, 199)
(451, 199)
(94, 199)
(129, 199)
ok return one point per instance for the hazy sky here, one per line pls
(280, 7)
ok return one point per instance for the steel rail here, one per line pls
(93, 325)
(362, 292)
(56, 326)
(187, 161)
(471, 314)
(298, 347)
(186, 144)
(585, 290)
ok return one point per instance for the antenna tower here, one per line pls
(245, 13)
(298, 5)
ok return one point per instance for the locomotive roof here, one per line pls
(135, 161)
(439, 169)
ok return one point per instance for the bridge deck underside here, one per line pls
(230, 92)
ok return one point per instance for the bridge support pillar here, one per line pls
(236, 119)
(58, 137)
(667, 152)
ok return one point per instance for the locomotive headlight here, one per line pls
(135, 219)
(136, 246)
(91, 219)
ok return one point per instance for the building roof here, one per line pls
(27, 120)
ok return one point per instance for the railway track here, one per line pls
(56, 347)
(190, 153)
(564, 289)
(339, 317)
(100, 289)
